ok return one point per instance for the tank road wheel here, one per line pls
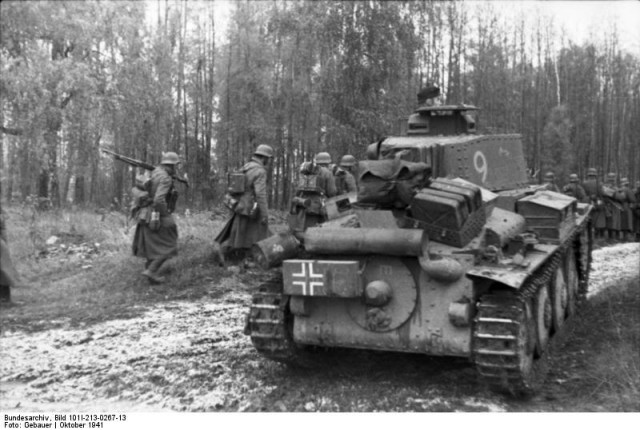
(542, 315)
(559, 298)
(572, 283)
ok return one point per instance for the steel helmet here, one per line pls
(348, 161)
(624, 181)
(264, 150)
(573, 177)
(549, 175)
(592, 172)
(322, 158)
(170, 158)
(611, 176)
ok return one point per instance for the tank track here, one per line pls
(269, 325)
(504, 332)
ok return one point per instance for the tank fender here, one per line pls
(509, 273)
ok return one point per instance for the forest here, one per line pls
(302, 76)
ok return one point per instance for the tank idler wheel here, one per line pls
(573, 285)
(542, 315)
(559, 298)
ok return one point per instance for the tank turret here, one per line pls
(445, 137)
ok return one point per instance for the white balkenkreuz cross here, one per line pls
(307, 282)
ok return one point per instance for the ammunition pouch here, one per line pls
(154, 222)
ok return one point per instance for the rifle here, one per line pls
(138, 163)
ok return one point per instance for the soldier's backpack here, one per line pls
(239, 197)
(235, 189)
(309, 190)
(390, 182)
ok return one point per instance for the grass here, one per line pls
(600, 361)
(76, 289)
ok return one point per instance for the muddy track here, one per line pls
(193, 356)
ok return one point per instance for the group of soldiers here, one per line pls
(244, 229)
(616, 213)
(616, 207)
(156, 234)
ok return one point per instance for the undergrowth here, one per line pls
(61, 288)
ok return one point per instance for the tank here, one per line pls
(468, 260)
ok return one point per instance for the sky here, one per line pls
(584, 19)
(581, 19)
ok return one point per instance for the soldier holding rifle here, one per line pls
(156, 238)
(156, 235)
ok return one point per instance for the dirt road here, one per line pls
(192, 356)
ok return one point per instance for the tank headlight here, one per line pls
(443, 270)
(377, 293)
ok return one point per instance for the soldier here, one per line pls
(344, 178)
(625, 196)
(156, 237)
(595, 196)
(327, 182)
(613, 208)
(574, 189)
(249, 223)
(8, 274)
(550, 182)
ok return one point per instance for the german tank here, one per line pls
(447, 250)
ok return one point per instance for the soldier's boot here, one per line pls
(151, 273)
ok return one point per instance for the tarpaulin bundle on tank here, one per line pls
(390, 182)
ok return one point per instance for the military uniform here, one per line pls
(249, 222)
(549, 182)
(595, 195)
(625, 196)
(326, 180)
(613, 208)
(156, 240)
(345, 181)
(8, 275)
(574, 189)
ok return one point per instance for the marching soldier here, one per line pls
(8, 275)
(595, 196)
(574, 189)
(625, 196)
(613, 208)
(156, 237)
(550, 182)
(249, 223)
(344, 178)
(327, 182)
